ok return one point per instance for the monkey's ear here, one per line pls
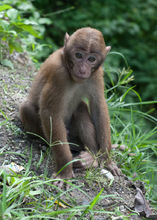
(66, 38)
(108, 48)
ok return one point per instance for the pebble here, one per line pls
(107, 174)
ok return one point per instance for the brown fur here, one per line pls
(57, 93)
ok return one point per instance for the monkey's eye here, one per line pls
(91, 59)
(78, 55)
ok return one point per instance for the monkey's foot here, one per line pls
(86, 161)
(61, 183)
(112, 166)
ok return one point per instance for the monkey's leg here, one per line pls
(30, 118)
(82, 127)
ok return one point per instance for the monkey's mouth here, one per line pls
(81, 76)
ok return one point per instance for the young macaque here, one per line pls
(55, 107)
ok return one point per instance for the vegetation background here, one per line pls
(130, 27)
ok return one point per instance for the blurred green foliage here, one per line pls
(21, 27)
(13, 29)
(130, 27)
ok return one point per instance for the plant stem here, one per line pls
(0, 51)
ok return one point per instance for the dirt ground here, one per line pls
(14, 86)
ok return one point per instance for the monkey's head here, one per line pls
(84, 52)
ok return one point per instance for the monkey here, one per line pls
(56, 108)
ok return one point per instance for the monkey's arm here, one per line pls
(56, 130)
(100, 116)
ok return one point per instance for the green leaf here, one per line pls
(34, 193)
(45, 21)
(7, 63)
(131, 88)
(14, 45)
(4, 7)
(4, 24)
(12, 32)
(12, 13)
(4, 199)
(92, 204)
(28, 28)
(120, 54)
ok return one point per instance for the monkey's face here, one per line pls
(84, 52)
(82, 64)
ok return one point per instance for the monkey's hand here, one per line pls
(87, 160)
(112, 166)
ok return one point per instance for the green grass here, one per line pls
(28, 196)
(136, 130)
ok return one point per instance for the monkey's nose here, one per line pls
(83, 70)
